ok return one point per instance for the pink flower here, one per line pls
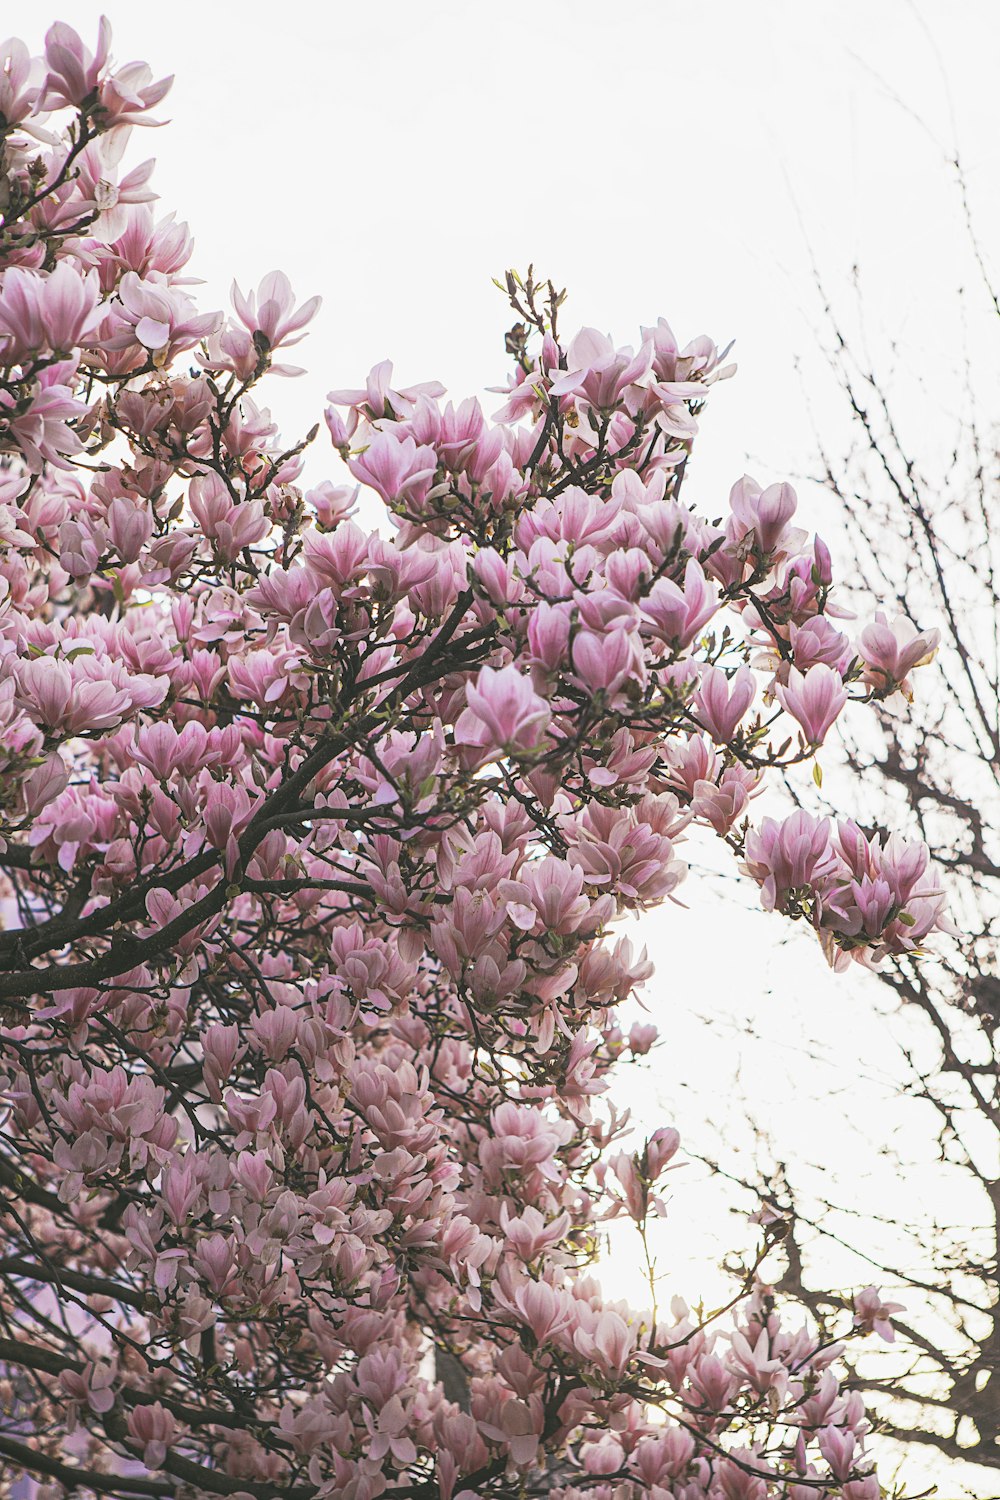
(548, 636)
(154, 1429)
(157, 317)
(46, 686)
(600, 372)
(68, 697)
(45, 782)
(838, 1446)
(636, 1197)
(220, 1048)
(549, 893)
(381, 398)
(227, 810)
(610, 1343)
(130, 527)
(125, 95)
(817, 641)
(401, 472)
(604, 1457)
(676, 615)
(270, 313)
(18, 92)
(341, 429)
(43, 430)
(789, 855)
(94, 1385)
(814, 699)
(890, 652)
(215, 1260)
(529, 1235)
(605, 660)
(230, 523)
(764, 1372)
(874, 1315)
(723, 804)
(661, 1147)
(73, 71)
(722, 701)
(39, 313)
(663, 1457)
(546, 1310)
(332, 503)
(641, 1038)
(520, 1430)
(764, 513)
(507, 707)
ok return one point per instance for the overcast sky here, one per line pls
(694, 161)
(655, 158)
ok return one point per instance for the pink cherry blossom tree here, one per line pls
(314, 840)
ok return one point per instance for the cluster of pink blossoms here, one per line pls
(313, 843)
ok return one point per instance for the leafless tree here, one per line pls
(918, 483)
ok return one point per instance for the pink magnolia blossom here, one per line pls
(790, 855)
(870, 1312)
(550, 894)
(42, 429)
(599, 371)
(399, 470)
(380, 398)
(270, 313)
(721, 702)
(814, 699)
(39, 313)
(507, 707)
(156, 317)
(604, 661)
(891, 651)
(154, 1430)
(817, 641)
(125, 95)
(762, 514)
(94, 1385)
(73, 70)
(677, 615)
(18, 91)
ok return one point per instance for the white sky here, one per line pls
(655, 158)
